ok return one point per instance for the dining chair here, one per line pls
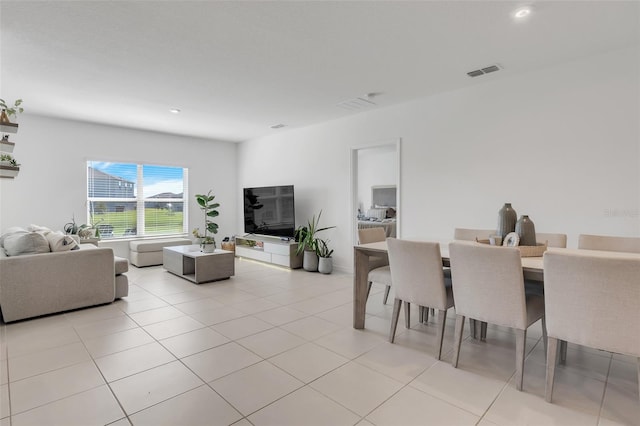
(609, 243)
(592, 300)
(378, 266)
(488, 285)
(553, 240)
(418, 277)
(468, 234)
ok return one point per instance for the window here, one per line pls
(125, 199)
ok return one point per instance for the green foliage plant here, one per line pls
(208, 207)
(306, 235)
(14, 110)
(322, 248)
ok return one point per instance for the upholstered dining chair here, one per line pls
(378, 267)
(418, 277)
(591, 299)
(468, 234)
(488, 286)
(609, 243)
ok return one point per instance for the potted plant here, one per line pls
(308, 242)
(8, 111)
(206, 204)
(9, 167)
(325, 261)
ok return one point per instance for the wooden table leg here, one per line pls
(361, 268)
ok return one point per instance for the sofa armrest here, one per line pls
(39, 284)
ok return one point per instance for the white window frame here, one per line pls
(140, 200)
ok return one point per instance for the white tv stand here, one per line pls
(269, 249)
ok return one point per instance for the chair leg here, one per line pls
(369, 289)
(394, 319)
(544, 333)
(552, 354)
(521, 340)
(457, 340)
(483, 331)
(638, 376)
(563, 352)
(421, 310)
(407, 315)
(472, 328)
(433, 313)
(442, 318)
(386, 294)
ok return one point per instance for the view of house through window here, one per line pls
(125, 199)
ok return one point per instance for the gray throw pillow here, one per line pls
(20, 243)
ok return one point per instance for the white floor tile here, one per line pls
(349, 342)
(156, 315)
(308, 362)
(241, 327)
(280, 315)
(200, 406)
(411, 407)
(621, 395)
(216, 316)
(93, 407)
(310, 328)
(398, 362)
(140, 305)
(357, 387)
(132, 361)
(5, 409)
(112, 343)
(246, 391)
(304, 407)
(150, 387)
(36, 339)
(271, 342)
(88, 330)
(173, 327)
(220, 361)
(254, 306)
(48, 387)
(36, 363)
(199, 305)
(193, 342)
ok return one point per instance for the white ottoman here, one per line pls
(149, 252)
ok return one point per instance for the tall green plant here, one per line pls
(208, 207)
(306, 235)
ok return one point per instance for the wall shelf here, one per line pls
(9, 128)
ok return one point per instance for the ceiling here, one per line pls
(235, 68)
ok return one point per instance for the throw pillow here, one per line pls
(60, 242)
(9, 231)
(37, 228)
(20, 243)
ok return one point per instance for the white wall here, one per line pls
(51, 186)
(561, 144)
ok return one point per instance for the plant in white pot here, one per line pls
(325, 261)
(206, 204)
(308, 242)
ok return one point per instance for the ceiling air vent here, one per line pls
(357, 104)
(483, 71)
(277, 126)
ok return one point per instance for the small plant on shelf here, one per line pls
(8, 160)
(9, 111)
(206, 204)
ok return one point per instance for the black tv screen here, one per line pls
(269, 210)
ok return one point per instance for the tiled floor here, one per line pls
(277, 347)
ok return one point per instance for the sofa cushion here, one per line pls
(145, 246)
(19, 243)
(122, 265)
(61, 242)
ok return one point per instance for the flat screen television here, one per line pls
(269, 210)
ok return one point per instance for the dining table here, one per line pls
(532, 268)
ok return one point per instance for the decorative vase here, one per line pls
(506, 220)
(526, 230)
(325, 265)
(310, 261)
(4, 118)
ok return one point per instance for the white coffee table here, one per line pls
(190, 263)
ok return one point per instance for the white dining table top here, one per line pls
(531, 263)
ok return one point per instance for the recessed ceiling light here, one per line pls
(522, 12)
(174, 111)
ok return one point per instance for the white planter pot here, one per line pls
(325, 265)
(310, 261)
(208, 248)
